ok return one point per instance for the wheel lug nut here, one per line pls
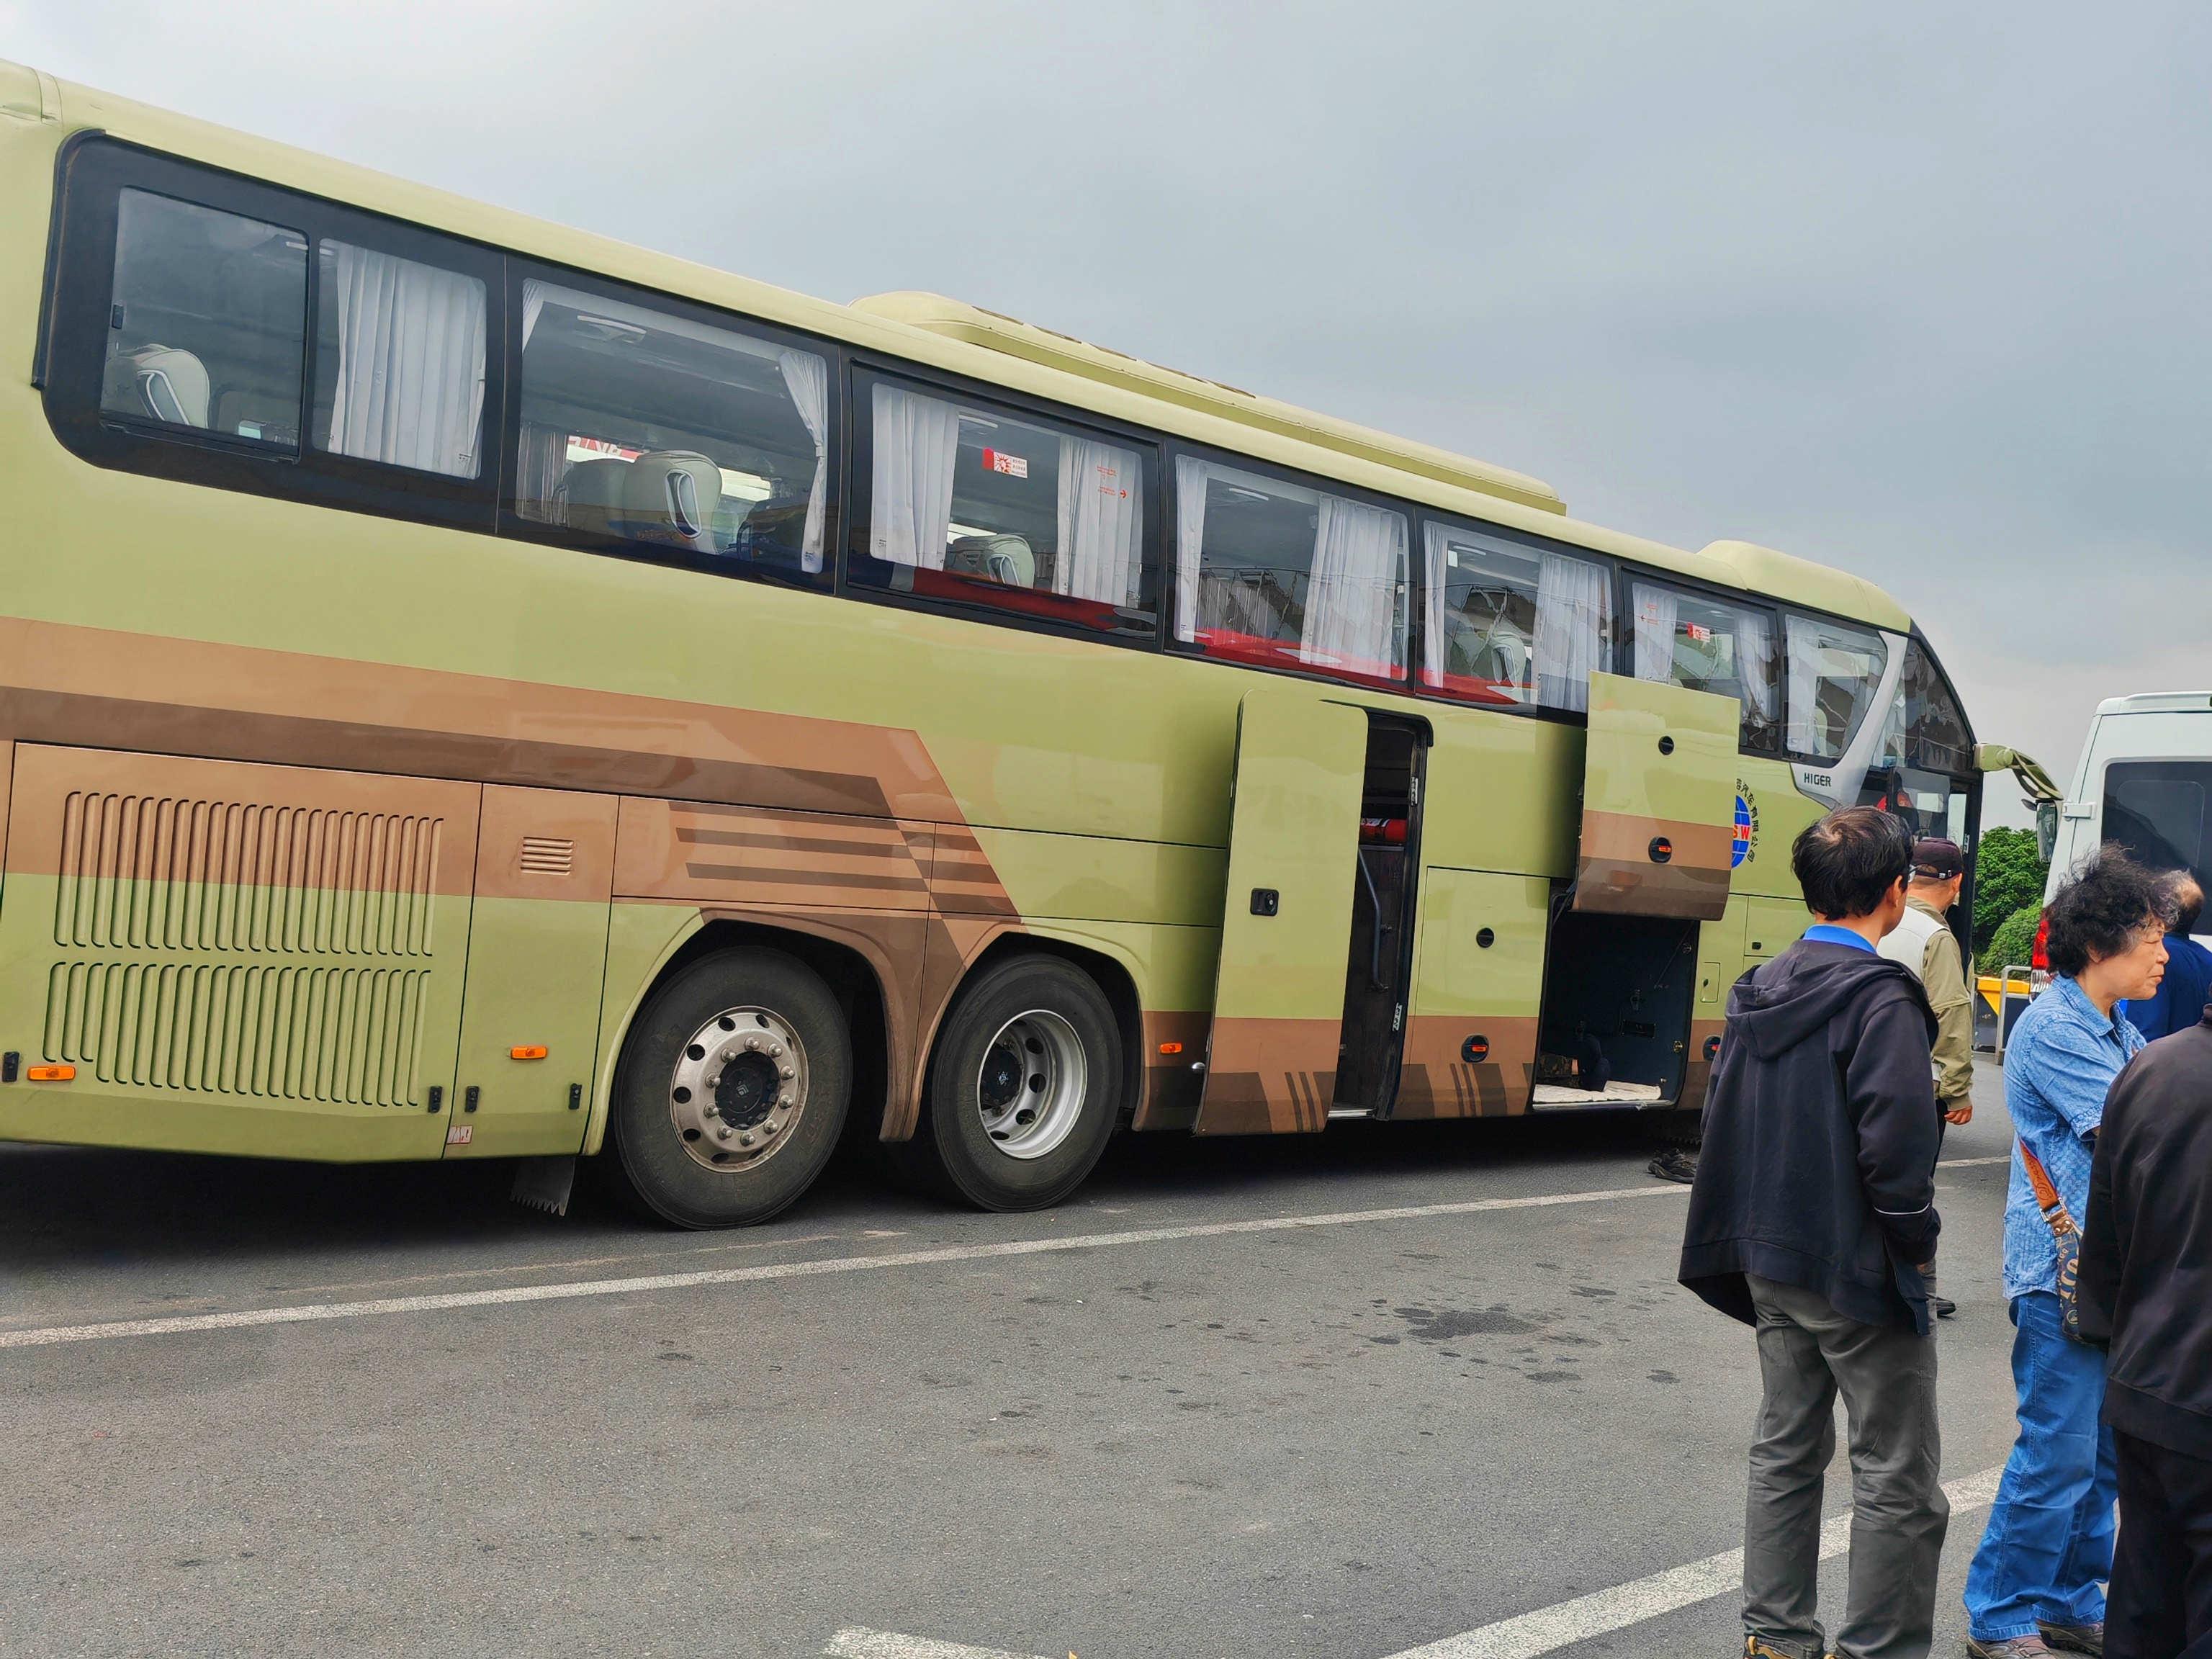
(769, 1128)
(722, 1133)
(774, 1050)
(746, 1139)
(786, 1099)
(787, 1072)
(752, 1042)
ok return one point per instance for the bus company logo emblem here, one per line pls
(997, 461)
(1747, 827)
(460, 1134)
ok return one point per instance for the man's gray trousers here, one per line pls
(1808, 1354)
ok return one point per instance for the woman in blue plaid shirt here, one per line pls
(2037, 1582)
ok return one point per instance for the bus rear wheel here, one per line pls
(1025, 1085)
(732, 1090)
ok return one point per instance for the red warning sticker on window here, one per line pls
(1699, 633)
(997, 461)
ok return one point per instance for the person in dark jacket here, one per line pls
(2146, 1264)
(2182, 994)
(1814, 1198)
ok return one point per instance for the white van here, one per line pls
(2144, 781)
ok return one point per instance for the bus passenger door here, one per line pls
(538, 951)
(1286, 924)
(1622, 958)
(1658, 800)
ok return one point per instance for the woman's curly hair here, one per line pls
(2100, 910)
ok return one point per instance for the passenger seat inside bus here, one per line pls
(1005, 559)
(162, 381)
(671, 496)
(591, 492)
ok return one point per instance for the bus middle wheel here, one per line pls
(1025, 1085)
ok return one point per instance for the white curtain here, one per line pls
(1754, 645)
(1574, 615)
(1190, 539)
(1658, 609)
(410, 376)
(806, 377)
(917, 440)
(1437, 575)
(1100, 522)
(1351, 595)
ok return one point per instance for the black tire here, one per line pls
(1056, 1012)
(666, 1164)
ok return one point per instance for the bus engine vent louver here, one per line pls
(154, 872)
(346, 1035)
(546, 856)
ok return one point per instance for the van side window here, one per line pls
(1512, 624)
(1709, 646)
(647, 427)
(399, 371)
(206, 321)
(1274, 573)
(978, 504)
(2157, 810)
(1834, 672)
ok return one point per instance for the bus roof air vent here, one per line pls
(957, 320)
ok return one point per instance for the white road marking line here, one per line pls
(1523, 1637)
(1605, 1611)
(858, 1644)
(1969, 1162)
(44, 1336)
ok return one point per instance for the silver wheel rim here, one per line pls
(1030, 1086)
(737, 1089)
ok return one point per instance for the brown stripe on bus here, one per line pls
(63, 684)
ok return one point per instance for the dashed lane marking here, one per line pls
(1603, 1612)
(858, 1644)
(306, 1313)
(1970, 1163)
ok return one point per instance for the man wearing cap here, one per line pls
(1925, 945)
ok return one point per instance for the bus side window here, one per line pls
(1834, 672)
(399, 349)
(647, 427)
(977, 504)
(1512, 624)
(206, 321)
(1709, 646)
(1276, 574)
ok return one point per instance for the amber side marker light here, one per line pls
(50, 1074)
(528, 1051)
(1171, 1048)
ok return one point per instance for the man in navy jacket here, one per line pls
(1814, 1197)
(2145, 1260)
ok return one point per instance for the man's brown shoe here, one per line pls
(2013, 1647)
(2076, 1638)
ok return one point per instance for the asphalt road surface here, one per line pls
(1186, 1439)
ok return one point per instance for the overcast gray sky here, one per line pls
(1921, 291)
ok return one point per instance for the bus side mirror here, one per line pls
(2047, 829)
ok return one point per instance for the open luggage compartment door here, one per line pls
(1658, 800)
(1286, 923)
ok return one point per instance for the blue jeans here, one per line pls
(2049, 1546)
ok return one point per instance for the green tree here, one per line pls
(2009, 877)
(2014, 939)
